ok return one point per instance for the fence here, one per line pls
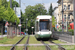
(65, 36)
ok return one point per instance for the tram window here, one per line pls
(37, 28)
(50, 25)
(44, 25)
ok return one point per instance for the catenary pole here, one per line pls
(15, 22)
(11, 8)
(62, 16)
(20, 17)
(10, 3)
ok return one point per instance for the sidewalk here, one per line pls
(33, 44)
(3, 36)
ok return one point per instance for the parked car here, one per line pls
(22, 33)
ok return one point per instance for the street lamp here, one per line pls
(26, 25)
(32, 30)
(10, 3)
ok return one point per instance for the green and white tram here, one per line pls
(43, 26)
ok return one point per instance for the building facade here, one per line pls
(55, 13)
(67, 12)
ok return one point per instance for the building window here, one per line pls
(65, 17)
(58, 14)
(55, 17)
(68, 16)
(68, 7)
(64, 7)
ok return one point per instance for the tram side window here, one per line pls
(50, 25)
(37, 28)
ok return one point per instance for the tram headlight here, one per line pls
(50, 32)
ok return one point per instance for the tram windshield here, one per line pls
(44, 25)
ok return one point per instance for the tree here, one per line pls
(23, 22)
(2, 10)
(53, 22)
(31, 12)
(10, 15)
(14, 3)
(50, 10)
(4, 3)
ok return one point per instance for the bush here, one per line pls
(0, 33)
(60, 30)
(54, 29)
(71, 30)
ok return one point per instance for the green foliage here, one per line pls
(0, 33)
(4, 3)
(71, 30)
(7, 13)
(14, 3)
(69, 26)
(31, 12)
(60, 30)
(0, 2)
(54, 29)
(10, 15)
(51, 10)
(2, 9)
(53, 21)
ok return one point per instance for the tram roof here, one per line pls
(44, 17)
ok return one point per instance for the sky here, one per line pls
(47, 3)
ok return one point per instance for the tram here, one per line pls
(43, 26)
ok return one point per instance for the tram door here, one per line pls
(36, 26)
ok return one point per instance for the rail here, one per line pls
(47, 46)
(26, 43)
(13, 47)
(59, 46)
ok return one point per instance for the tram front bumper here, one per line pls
(42, 35)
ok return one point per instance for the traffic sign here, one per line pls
(5, 30)
(19, 25)
(26, 29)
(6, 24)
(32, 27)
(18, 11)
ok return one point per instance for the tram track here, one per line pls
(13, 47)
(59, 46)
(25, 46)
(46, 45)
